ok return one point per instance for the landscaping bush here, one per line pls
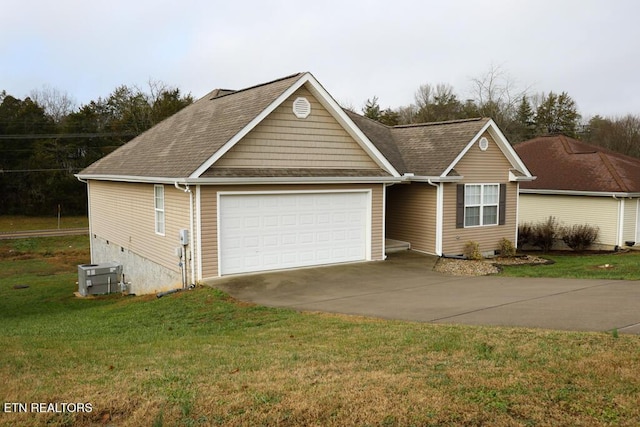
(525, 233)
(580, 236)
(545, 233)
(472, 250)
(506, 248)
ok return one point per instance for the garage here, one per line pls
(271, 231)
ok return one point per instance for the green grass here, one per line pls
(622, 265)
(200, 358)
(24, 223)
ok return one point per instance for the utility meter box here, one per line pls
(96, 279)
(184, 237)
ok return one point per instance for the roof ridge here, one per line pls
(257, 86)
(444, 122)
(613, 171)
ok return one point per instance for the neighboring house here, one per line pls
(279, 176)
(579, 183)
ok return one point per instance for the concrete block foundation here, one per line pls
(146, 276)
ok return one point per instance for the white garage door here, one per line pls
(261, 232)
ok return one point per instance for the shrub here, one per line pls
(580, 236)
(525, 234)
(506, 248)
(472, 250)
(545, 233)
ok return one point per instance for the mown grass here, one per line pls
(200, 358)
(614, 265)
(24, 223)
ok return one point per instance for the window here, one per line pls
(159, 208)
(481, 202)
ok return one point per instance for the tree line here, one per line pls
(45, 140)
(520, 114)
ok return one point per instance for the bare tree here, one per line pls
(56, 104)
(497, 96)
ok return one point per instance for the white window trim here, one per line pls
(481, 205)
(158, 210)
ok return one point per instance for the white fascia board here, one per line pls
(294, 180)
(434, 178)
(354, 131)
(514, 178)
(503, 144)
(252, 124)
(577, 193)
(131, 178)
(245, 181)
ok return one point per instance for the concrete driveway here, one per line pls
(405, 287)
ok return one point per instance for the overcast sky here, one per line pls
(356, 49)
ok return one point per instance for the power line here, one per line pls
(37, 170)
(68, 135)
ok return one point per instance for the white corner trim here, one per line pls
(199, 231)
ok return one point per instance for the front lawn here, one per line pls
(620, 265)
(201, 358)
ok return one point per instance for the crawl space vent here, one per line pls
(301, 108)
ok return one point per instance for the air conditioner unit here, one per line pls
(96, 279)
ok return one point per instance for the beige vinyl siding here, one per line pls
(283, 141)
(481, 167)
(209, 224)
(124, 215)
(599, 211)
(454, 239)
(487, 167)
(630, 218)
(411, 215)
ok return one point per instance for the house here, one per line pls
(579, 183)
(279, 176)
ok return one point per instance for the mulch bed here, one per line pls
(463, 267)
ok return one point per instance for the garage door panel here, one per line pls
(273, 231)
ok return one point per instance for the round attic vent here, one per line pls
(301, 108)
(483, 143)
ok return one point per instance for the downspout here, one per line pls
(186, 189)
(439, 213)
(620, 230)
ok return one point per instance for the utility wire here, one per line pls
(68, 135)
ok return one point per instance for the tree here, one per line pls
(371, 109)
(524, 127)
(434, 104)
(56, 104)
(557, 114)
(497, 96)
(621, 134)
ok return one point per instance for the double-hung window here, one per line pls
(159, 208)
(481, 202)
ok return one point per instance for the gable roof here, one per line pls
(433, 149)
(566, 164)
(185, 145)
(175, 147)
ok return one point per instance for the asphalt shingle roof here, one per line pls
(177, 146)
(426, 149)
(563, 163)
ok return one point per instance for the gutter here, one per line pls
(577, 193)
(243, 181)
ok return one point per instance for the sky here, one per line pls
(356, 49)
